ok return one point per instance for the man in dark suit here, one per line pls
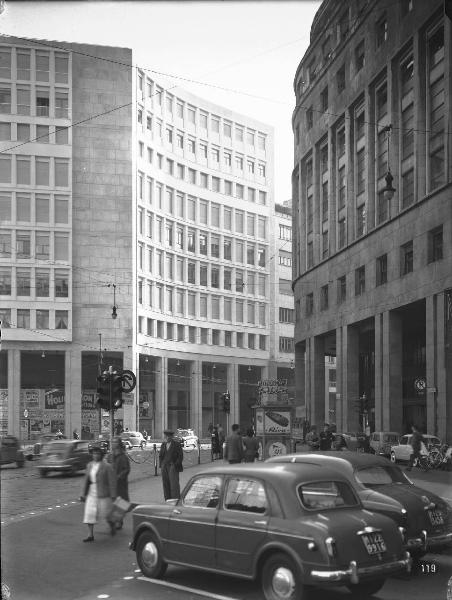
(170, 459)
(233, 451)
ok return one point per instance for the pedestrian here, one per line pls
(145, 434)
(215, 443)
(312, 438)
(417, 439)
(121, 467)
(233, 451)
(59, 434)
(75, 435)
(99, 492)
(326, 438)
(170, 461)
(221, 439)
(251, 445)
(210, 428)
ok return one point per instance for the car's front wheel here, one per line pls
(281, 579)
(393, 458)
(366, 589)
(149, 556)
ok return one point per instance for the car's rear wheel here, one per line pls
(366, 589)
(281, 580)
(149, 556)
(393, 458)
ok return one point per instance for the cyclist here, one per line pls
(416, 442)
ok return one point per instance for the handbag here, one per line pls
(118, 510)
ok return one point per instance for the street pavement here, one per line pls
(43, 557)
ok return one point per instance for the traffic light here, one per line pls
(103, 391)
(116, 390)
(226, 402)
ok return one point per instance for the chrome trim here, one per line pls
(353, 573)
(441, 538)
(424, 539)
(368, 529)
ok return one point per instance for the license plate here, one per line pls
(374, 543)
(436, 517)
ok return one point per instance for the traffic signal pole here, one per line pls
(111, 411)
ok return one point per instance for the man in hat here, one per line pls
(170, 461)
(326, 438)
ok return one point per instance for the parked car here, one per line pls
(33, 448)
(64, 456)
(403, 450)
(135, 438)
(384, 488)
(187, 438)
(290, 527)
(381, 442)
(11, 451)
(344, 441)
(104, 445)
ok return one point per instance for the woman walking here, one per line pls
(251, 445)
(121, 467)
(99, 492)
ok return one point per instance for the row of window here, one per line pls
(208, 154)
(191, 304)
(27, 64)
(201, 335)
(178, 109)
(34, 170)
(35, 101)
(24, 132)
(24, 318)
(39, 245)
(198, 211)
(406, 266)
(34, 283)
(173, 267)
(22, 207)
(203, 180)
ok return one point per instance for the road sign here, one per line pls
(129, 381)
(25, 414)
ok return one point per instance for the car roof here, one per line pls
(277, 472)
(356, 459)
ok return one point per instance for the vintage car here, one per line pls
(344, 441)
(11, 451)
(34, 448)
(383, 487)
(64, 456)
(187, 438)
(290, 526)
(135, 438)
(381, 442)
(403, 450)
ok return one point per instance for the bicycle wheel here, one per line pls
(435, 459)
(422, 463)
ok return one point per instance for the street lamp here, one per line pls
(114, 314)
(388, 190)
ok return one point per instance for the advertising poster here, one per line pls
(3, 412)
(276, 448)
(273, 391)
(277, 421)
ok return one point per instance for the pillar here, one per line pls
(72, 391)
(351, 378)
(438, 416)
(196, 396)
(392, 397)
(317, 380)
(14, 370)
(161, 393)
(379, 374)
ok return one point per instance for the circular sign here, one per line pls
(25, 414)
(276, 449)
(145, 404)
(129, 381)
(420, 383)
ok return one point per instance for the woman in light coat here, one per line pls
(99, 492)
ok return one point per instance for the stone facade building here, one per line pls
(372, 215)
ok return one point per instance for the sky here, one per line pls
(249, 47)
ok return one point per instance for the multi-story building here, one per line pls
(373, 215)
(120, 198)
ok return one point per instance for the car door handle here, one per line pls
(176, 511)
(263, 522)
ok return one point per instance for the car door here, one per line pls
(405, 449)
(191, 533)
(242, 524)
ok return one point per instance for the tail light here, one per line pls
(402, 532)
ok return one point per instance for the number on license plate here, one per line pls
(374, 543)
(436, 517)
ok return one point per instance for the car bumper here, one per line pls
(354, 573)
(55, 467)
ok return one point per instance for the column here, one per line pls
(392, 397)
(379, 374)
(341, 413)
(234, 390)
(435, 342)
(72, 391)
(351, 379)
(196, 396)
(14, 370)
(161, 396)
(300, 376)
(317, 377)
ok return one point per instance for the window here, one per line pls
(42, 319)
(286, 315)
(215, 124)
(61, 173)
(215, 215)
(341, 187)
(261, 256)
(325, 201)
(61, 319)
(406, 75)
(23, 318)
(214, 246)
(23, 170)
(23, 100)
(203, 492)
(343, 26)
(251, 341)
(381, 31)
(310, 213)
(382, 101)
(285, 258)
(42, 66)
(23, 244)
(326, 495)
(215, 184)
(239, 134)
(23, 282)
(406, 258)
(191, 115)
(324, 99)
(286, 344)
(227, 249)
(191, 240)
(262, 198)
(239, 339)
(5, 131)
(227, 157)
(360, 281)
(285, 232)
(23, 64)
(239, 249)
(42, 208)
(61, 104)
(381, 274)
(361, 220)
(310, 255)
(23, 207)
(215, 154)
(361, 171)
(5, 169)
(382, 154)
(309, 304)
(61, 135)
(5, 281)
(239, 283)
(285, 287)
(42, 251)
(228, 337)
(239, 221)
(435, 244)
(341, 289)
(239, 163)
(5, 99)
(203, 243)
(407, 188)
(309, 118)
(340, 80)
(261, 170)
(227, 275)
(325, 244)
(5, 244)
(61, 284)
(382, 207)
(359, 56)
(250, 259)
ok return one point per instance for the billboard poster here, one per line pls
(54, 400)
(273, 391)
(277, 421)
(276, 448)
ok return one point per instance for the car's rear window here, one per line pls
(57, 448)
(379, 475)
(324, 495)
(391, 438)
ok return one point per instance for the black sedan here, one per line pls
(289, 527)
(384, 487)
